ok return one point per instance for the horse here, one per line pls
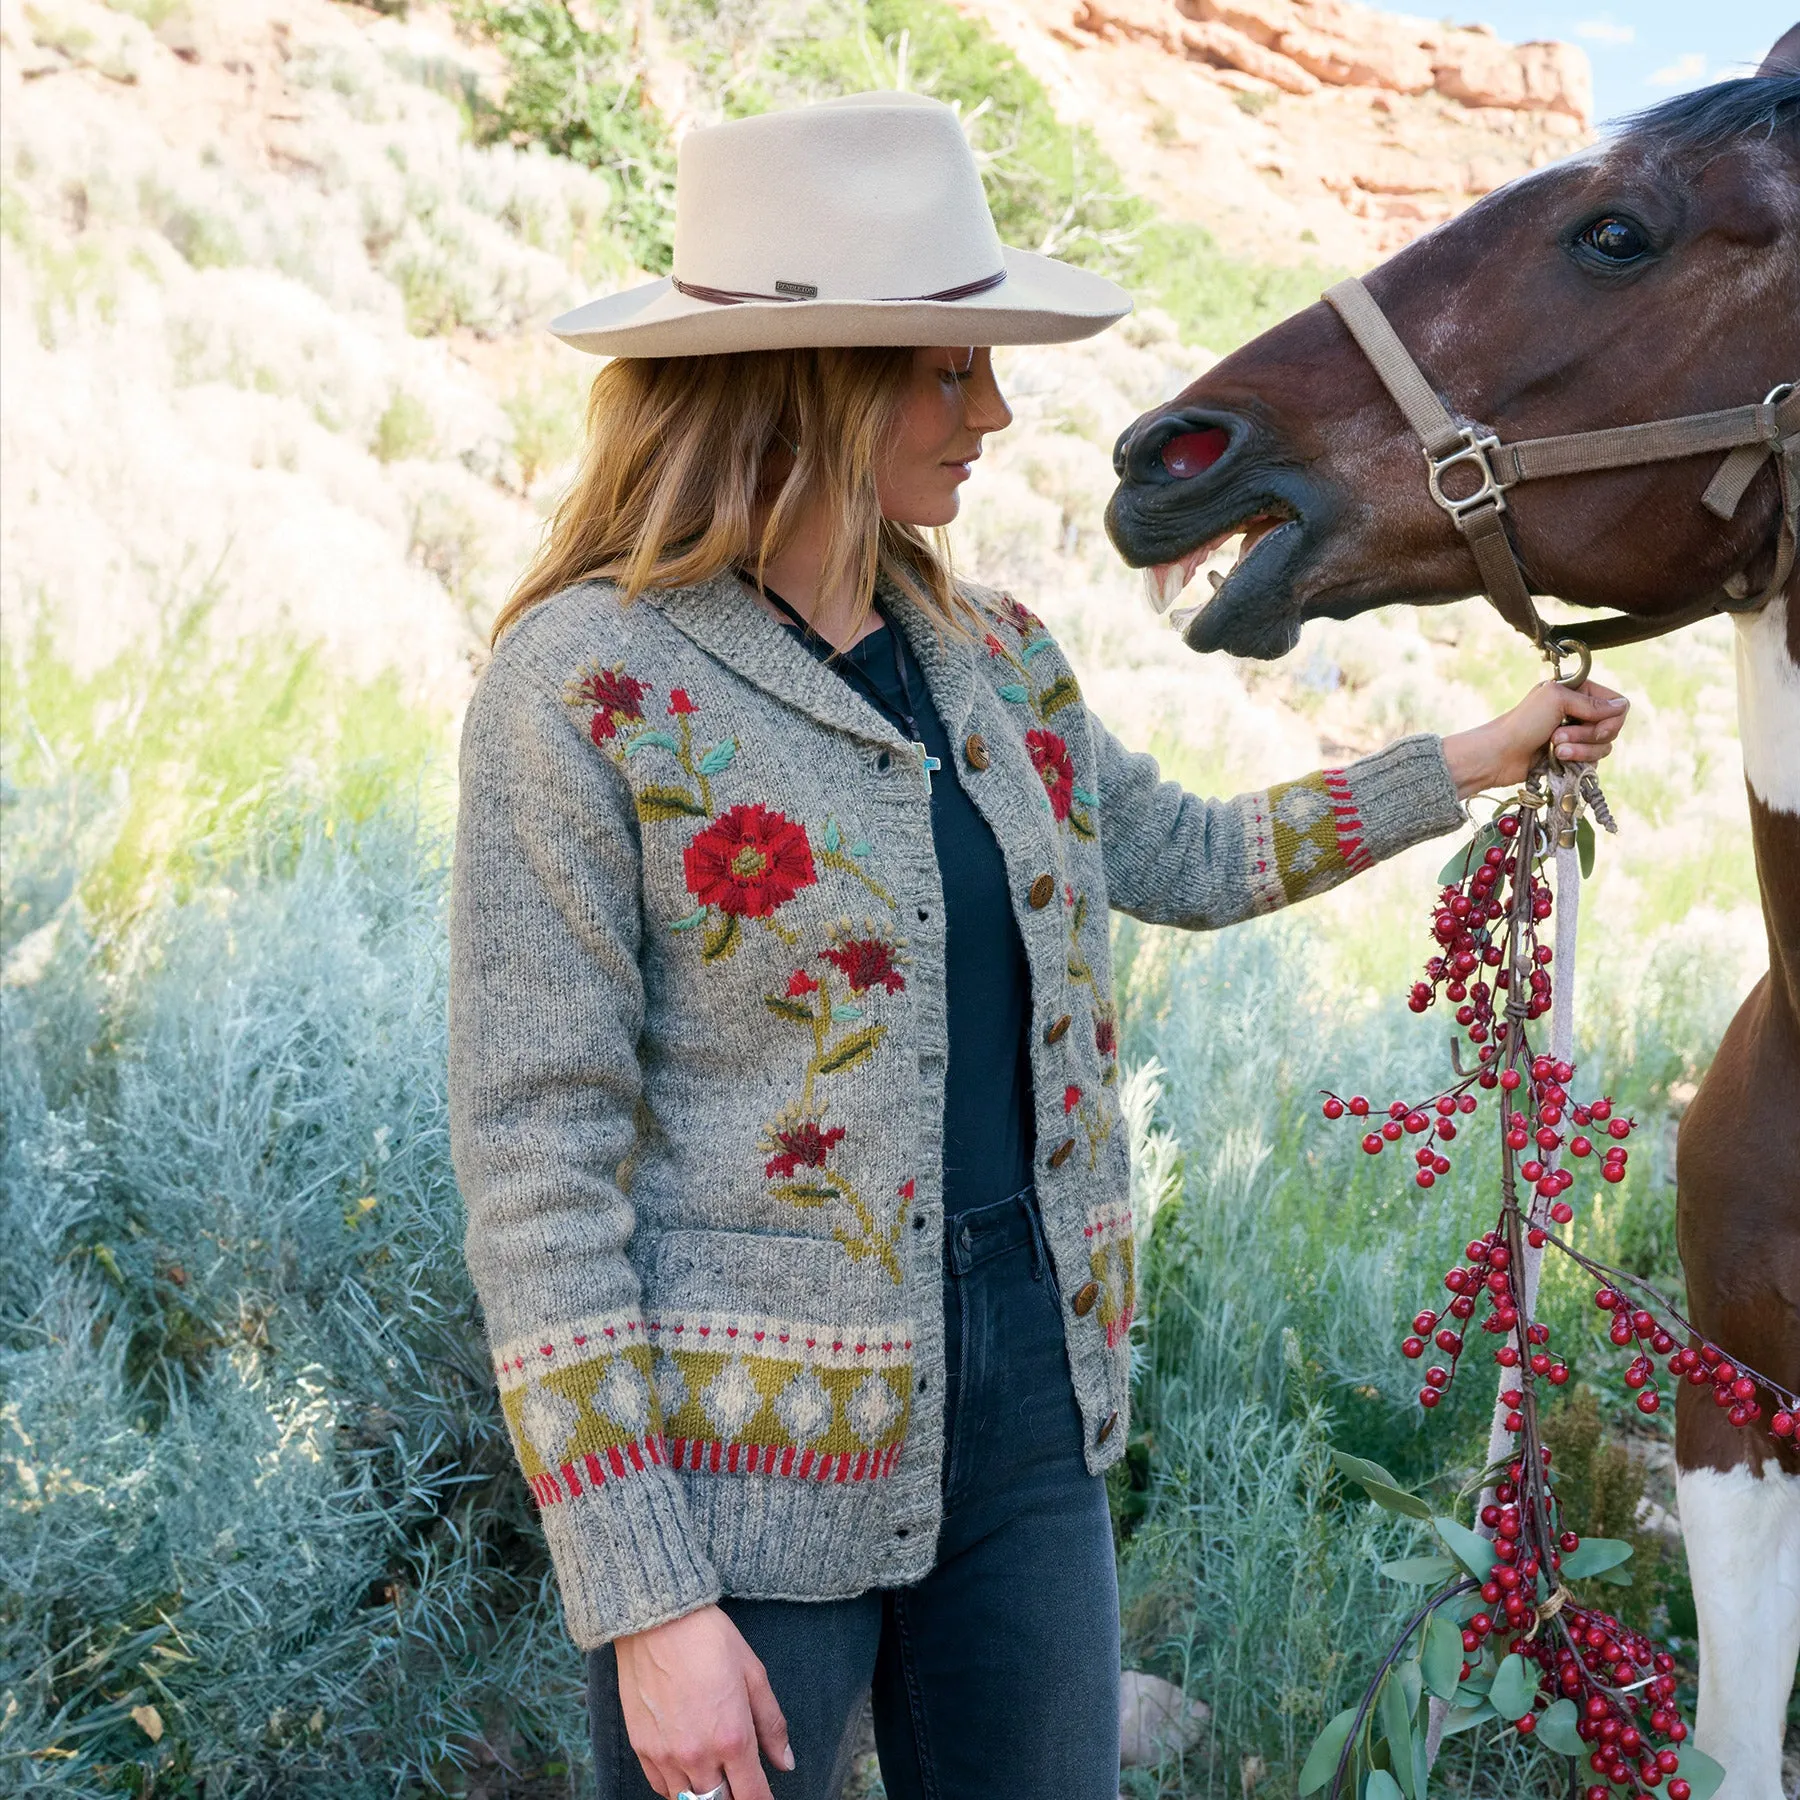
(1655, 274)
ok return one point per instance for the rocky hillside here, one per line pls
(1300, 129)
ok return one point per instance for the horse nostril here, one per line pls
(1194, 452)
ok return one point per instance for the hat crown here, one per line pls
(872, 197)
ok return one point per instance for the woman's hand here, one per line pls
(1580, 723)
(697, 1706)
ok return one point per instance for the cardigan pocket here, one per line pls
(773, 1357)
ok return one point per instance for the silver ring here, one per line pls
(721, 1792)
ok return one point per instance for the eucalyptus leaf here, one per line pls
(1396, 1727)
(1469, 1548)
(1421, 1768)
(1466, 860)
(1382, 1786)
(1413, 1682)
(1322, 1759)
(1702, 1774)
(1619, 1577)
(1514, 1686)
(1584, 846)
(1464, 1718)
(1422, 1571)
(1593, 1555)
(1556, 1729)
(1396, 1500)
(1442, 1658)
(1359, 1468)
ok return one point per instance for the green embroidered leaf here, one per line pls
(1421, 1571)
(786, 1008)
(1043, 641)
(848, 1052)
(696, 917)
(1703, 1775)
(1510, 1696)
(843, 1012)
(1080, 825)
(1396, 1726)
(1463, 863)
(1592, 1556)
(1382, 1786)
(657, 804)
(1469, 1548)
(862, 847)
(645, 740)
(1322, 1759)
(1441, 1660)
(718, 757)
(723, 939)
(804, 1193)
(1556, 1729)
(1085, 797)
(830, 837)
(1016, 692)
(1060, 693)
(1584, 846)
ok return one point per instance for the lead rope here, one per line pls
(1569, 788)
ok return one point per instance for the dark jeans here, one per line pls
(999, 1672)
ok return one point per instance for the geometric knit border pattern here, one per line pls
(706, 1393)
(1302, 837)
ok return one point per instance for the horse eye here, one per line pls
(1618, 240)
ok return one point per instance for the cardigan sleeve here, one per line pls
(546, 1005)
(1173, 858)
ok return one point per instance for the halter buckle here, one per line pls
(1478, 447)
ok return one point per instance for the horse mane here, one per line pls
(1710, 118)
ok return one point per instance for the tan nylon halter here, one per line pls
(1749, 433)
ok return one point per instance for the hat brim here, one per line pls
(1041, 301)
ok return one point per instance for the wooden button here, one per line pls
(1084, 1299)
(1043, 891)
(976, 750)
(1057, 1030)
(1106, 1430)
(1062, 1153)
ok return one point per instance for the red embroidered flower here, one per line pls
(1050, 757)
(679, 703)
(994, 646)
(906, 1189)
(614, 695)
(804, 1145)
(749, 861)
(801, 984)
(1021, 618)
(867, 962)
(1071, 1098)
(1106, 1037)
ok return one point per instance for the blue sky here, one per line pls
(1642, 50)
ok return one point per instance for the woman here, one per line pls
(784, 1054)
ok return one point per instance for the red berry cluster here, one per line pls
(1630, 1703)
(1734, 1391)
(1488, 1279)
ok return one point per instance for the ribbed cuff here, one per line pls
(1403, 795)
(626, 1559)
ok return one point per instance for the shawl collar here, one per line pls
(721, 618)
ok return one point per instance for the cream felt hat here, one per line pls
(857, 221)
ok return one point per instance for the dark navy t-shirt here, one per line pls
(987, 984)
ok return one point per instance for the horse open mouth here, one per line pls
(1164, 583)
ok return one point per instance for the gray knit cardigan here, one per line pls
(697, 1049)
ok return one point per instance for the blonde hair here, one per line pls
(676, 470)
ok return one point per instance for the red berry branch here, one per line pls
(1506, 1638)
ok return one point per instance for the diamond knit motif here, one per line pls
(550, 1418)
(731, 1398)
(804, 1407)
(622, 1395)
(671, 1388)
(872, 1408)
